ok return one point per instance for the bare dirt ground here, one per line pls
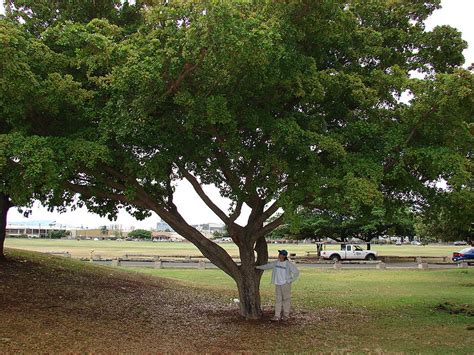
(48, 306)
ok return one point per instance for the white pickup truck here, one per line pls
(347, 252)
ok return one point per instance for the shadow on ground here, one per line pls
(52, 305)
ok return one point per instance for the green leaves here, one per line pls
(361, 192)
(298, 101)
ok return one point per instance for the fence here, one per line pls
(199, 262)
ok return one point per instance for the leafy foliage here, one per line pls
(450, 219)
(58, 234)
(140, 234)
(372, 223)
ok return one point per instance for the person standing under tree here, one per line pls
(284, 273)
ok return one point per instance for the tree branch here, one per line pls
(269, 227)
(187, 69)
(209, 249)
(198, 188)
(271, 210)
(89, 192)
(236, 213)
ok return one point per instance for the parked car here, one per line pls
(460, 242)
(466, 254)
(349, 251)
(415, 243)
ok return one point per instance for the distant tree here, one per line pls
(370, 224)
(449, 218)
(220, 234)
(140, 234)
(58, 234)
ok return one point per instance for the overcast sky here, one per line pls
(456, 13)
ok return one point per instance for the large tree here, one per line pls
(366, 224)
(278, 104)
(35, 90)
(449, 217)
(27, 170)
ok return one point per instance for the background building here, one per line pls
(162, 226)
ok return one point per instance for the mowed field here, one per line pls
(88, 308)
(113, 249)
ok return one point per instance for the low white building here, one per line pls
(33, 229)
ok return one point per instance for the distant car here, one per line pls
(460, 242)
(466, 254)
(415, 243)
(398, 243)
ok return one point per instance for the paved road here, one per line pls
(193, 265)
(408, 265)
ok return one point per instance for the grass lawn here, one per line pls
(369, 310)
(88, 308)
(112, 249)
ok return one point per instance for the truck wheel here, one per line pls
(370, 257)
(335, 257)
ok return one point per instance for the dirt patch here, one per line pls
(49, 304)
(462, 309)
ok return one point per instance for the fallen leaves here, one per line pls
(48, 306)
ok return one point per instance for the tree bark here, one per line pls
(5, 205)
(248, 284)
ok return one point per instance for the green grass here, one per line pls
(387, 289)
(113, 249)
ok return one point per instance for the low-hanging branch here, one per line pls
(90, 192)
(198, 188)
(270, 227)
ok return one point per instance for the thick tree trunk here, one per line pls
(246, 276)
(4, 207)
(248, 284)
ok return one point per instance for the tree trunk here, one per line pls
(248, 284)
(4, 207)
(246, 276)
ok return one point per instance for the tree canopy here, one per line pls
(335, 225)
(278, 104)
(140, 234)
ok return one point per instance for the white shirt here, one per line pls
(280, 273)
